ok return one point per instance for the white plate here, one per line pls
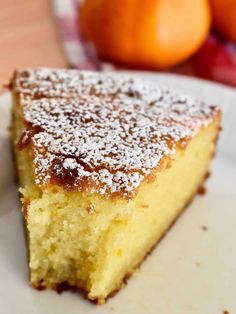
(192, 271)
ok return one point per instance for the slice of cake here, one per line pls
(106, 164)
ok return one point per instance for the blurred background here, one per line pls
(194, 38)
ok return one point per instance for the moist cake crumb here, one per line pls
(103, 133)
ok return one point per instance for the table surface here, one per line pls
(28, 37)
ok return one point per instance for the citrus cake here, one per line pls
(106, 163)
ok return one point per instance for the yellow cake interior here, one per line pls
(93, 242)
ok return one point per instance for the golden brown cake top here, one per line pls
(103, 133)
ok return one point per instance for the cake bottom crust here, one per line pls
(65, 286)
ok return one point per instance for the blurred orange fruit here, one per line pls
(151, 33)
(224, 17)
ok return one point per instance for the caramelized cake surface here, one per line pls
(102, 133)
(103, 158)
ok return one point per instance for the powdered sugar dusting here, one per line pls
(103, 132)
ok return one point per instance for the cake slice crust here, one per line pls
(103, 159)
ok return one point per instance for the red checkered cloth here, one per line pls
(216, 60)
